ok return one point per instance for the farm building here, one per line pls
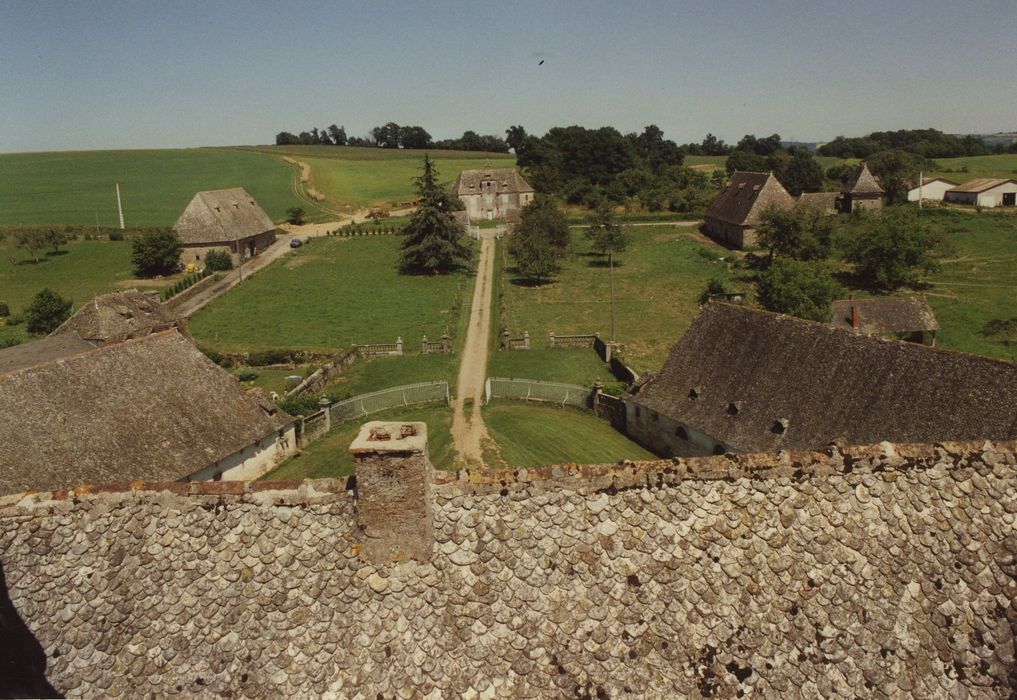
(821, 202)
(932, 189)
(744, 380)
(492, 193)
(986, 192)
(903, 318)
(734, 215)
(862, 192)
(154, 408)
(228, 220)
(120, 316)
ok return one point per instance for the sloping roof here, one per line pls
(823, 202)
(154, 408)
(885, 316)
(40, 351)
(118, 316)
(220, 216)
(506, 181)
(828, 384)
(864, 182)
(856, 575)
(980, 185)
(929, 181)
(746, 195)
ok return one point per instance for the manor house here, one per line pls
(492, 193)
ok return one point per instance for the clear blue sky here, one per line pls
(91, 74)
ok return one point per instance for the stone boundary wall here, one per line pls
(321, 377)
(572, 342)
(886, 461)
(197, 288)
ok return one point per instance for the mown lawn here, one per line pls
(582, 367)
(332, 293)
(75, 187)
(657, 284)
(365, 376)
(328, 456)
(533, 435)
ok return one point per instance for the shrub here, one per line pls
(46, 311)
(224, 361)
(300, 405)
(156, 253)
(246, 374)
(5, 310)
(15, 320)
(218, 260)
(270, 357)
(116, 235)
(9, 342)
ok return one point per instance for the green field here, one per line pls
(328, 456)
(582, 367)
(530, 435)
(75, 187)
(978, 282)
(657, 282)
(331, 293)
(365, 376)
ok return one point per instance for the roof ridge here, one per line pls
(94, 349)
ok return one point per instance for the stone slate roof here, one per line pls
(823, 202)
(879, 572)
(221, 216)
(885, 316)
(119, 316)
(980, 185)
(506, 181)
(154, 408)
(864, 182)
(746, 195)
(39, 351)
(749, 369)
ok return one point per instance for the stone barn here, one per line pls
(862, 192)
(744, 380)
(153, 408)
(120, 316)
(986, 192)
(492, 193)
(734, 215)
(228, 220)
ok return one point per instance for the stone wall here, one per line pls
(664, 436)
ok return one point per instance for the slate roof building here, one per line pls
(985, 192)
(883, 571)
(735, 213)
(862, 192)
(903, 318)
(821, 202)
(492, 193)
(228, 220)
(120, 316)
(933, 189)
(744, 380)
(154, 408)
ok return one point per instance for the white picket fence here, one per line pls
(366, 404)
(535, 390)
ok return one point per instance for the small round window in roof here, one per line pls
(734, 408)
(695, 392)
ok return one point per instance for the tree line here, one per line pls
(926, 143)
(392, 135)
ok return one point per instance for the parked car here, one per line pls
(296, 243)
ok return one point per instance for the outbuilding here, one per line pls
(985, 192)
(228, 220)
(932, 189)
(736, 212)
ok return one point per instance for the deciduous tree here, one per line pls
(156, 253)
(893, 248)
(802, 289)
(802, 235)
(46, 311)
(32, 239)
(541, 240)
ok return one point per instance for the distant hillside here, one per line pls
(77, 187)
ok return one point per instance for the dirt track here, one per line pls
(469, 435)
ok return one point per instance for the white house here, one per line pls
(985, 192)
(932, 189)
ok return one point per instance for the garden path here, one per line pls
(469, 434)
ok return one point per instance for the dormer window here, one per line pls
(779, 426)
(734, 408)
(694, 393)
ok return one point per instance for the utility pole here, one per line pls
(240, 256)
(120, 208)
(610, 262)
(919, 189)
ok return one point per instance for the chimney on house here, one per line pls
(393, 492)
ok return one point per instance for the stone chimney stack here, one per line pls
(394, 491)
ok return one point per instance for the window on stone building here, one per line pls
(681, 432)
